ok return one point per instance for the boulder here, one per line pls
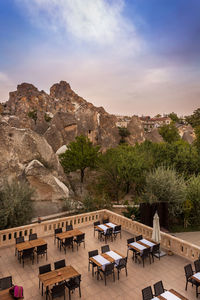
(136, 130)
(154, 136)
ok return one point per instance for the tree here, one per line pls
(174, 117)
(15, 204)
(194, 119)
(165, 185)
(169, 133)
(193, 195)
(123, 132)
(80, 154)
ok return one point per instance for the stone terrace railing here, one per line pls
(46, 228)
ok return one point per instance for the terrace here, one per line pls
(170, 269)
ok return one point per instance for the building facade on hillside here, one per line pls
(150, 123)
(122, 121)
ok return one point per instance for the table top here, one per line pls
(5, 295)
(137, 249)
(195, 278)
(106, 256)
(101, 229)
(58, 275)
(175, 293)
(30, 244)
(67, 234)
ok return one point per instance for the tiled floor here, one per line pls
(169, 269)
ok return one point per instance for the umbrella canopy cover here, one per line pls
(156, 229)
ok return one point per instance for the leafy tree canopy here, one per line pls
(80, 154)
(169, 132)
(194, 119)
(174, 117)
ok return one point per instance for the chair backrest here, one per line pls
(117, 228)
(96, 223)
(158, 288)
(58, 290)
(109, 268)
(105, 221)
(139, 237)
(122, 263)
(19, 240)
(93, 253)
(74, 282)
(28, 252)
(188, 271)
(131, 240)
(156, 248)
(45, 269)
(80, 237)
(59, 264)
(5, 283)
(197, 265)
(69, 241)
(146, 252)
(41, 249)
(105, 248)
(57, 230)
(33, 236)
(69, 227)
(147, 293)
(109, 231)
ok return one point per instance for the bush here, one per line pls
(15, 204)
(165, 185)
(193, 195)
(92, 204)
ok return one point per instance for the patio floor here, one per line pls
(169, 269)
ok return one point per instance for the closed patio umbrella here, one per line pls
(156, 229)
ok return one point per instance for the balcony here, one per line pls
(170, 269)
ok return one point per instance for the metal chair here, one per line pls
(147, 293)
(105, 249)
(27, 253)
(158, 288)
(91, 254)
(197, 265)
(74, 283)
(42, 270)
(96, 224)
(41, 250)
(58, 291)
(6, 283)
(188, 274)
(68, 242)
(105, 221)
(145, 253)
(121, 265)
(80, 239)
(108, 234)
(56, 231)
(33, 236)
(109, 270)
(155, 251)
(18, 240)
(129, 241)
(59, 264)
(117, 230)
(69, 227)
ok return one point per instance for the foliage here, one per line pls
(123, 132)
(80, 155)
(194, 119)
(33, 115)
(132, 211)
(47, 117)
(169, 132)
(70, 205)
(165, 185)
(122, 169)
(15, 204)
(91, 204)
(173, 116)
(193, 195)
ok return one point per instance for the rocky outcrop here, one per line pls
(154, 136)
(136, 131)
(25, 154)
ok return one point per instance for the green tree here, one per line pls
(193, 195)
(33, 115)
(15, 204)
(123, 132)
(194, 119)
(174, 117)
(80, 154)
(169, 133)
(165, 185)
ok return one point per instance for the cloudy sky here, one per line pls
(129, 56)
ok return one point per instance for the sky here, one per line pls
(133, 57)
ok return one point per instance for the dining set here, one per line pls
(107, 230)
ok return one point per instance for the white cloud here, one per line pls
(95, 21)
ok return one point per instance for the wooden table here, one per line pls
(137, 249)
(57, 276)
(67, 234)
(30, 244)
(5, 295)
(101, 229)
(106, 256)
(195, 278)
(175, 293)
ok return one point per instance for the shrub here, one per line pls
(193, 195)
(15, 204)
